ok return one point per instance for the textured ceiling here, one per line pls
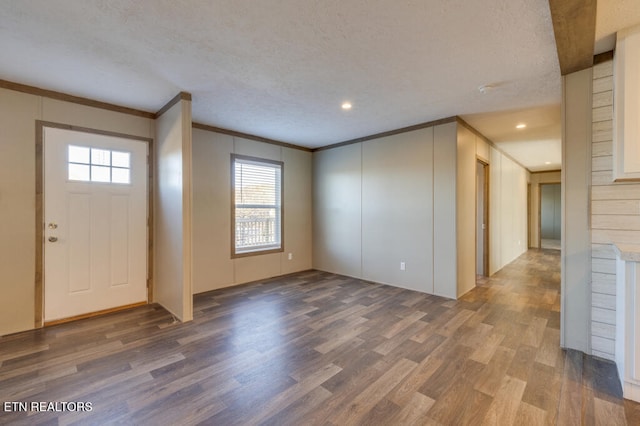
(281, 68)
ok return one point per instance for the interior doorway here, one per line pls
(550, 216)
(482, 219)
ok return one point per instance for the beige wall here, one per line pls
(337, 210)
(536, 179)
(422, 224)
(18, 113)
(411, 198)
(445, 270)
(507, 207)
(397, 213)
(466, 210)
(374, 207)
(212, 264)
(172, 214)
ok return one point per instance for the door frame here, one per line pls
(485, 257)
(40, 224)
(540, 185)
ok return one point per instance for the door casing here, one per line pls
(39, 217)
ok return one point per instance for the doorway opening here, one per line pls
(482, 219)
(93, 227)
(550, 216)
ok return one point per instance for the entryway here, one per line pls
(95, 222)
(550, 216)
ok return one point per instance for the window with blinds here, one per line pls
(256, 205)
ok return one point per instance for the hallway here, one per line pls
(317, 348)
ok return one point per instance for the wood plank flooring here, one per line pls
(315, 348)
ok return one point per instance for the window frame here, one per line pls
(257, 251)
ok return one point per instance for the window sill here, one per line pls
(256, 252)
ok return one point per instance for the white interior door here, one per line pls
(95, 210)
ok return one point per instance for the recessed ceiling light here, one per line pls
(485, 88)
(521, 126)
(346, 105)
(547, 162)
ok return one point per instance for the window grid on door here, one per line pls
(87, 164)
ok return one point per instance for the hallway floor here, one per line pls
(318, 348)
(550, 244)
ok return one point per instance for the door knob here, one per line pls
(53, 239)
(53, 225)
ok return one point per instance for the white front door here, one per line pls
(95, 211)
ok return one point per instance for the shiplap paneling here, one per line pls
(602, 131)
(607, 331)
(611, 211)
(615, 214)
(602, 114)
(603, 99)
(603, 283)
(609, 236)
(602, 84)
(601, 178)
(606, 316)
(599, 164)
(601, 149)
(606, 346)
(603, 251)
(616, 207)
(604, 301)
(605, 266)
(611, 221)
(616, 192)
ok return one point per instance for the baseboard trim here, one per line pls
(94, 314)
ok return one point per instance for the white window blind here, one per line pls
(257, 204)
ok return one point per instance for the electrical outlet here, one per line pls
(402, 266)
(290, 257)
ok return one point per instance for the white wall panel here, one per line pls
(508, 211)
(337, 210)
(466, 210)
(576, 236)
(212, 263)
(173, 262)
(397, 210)
(444, 210)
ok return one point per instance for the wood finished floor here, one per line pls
(320, 349)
